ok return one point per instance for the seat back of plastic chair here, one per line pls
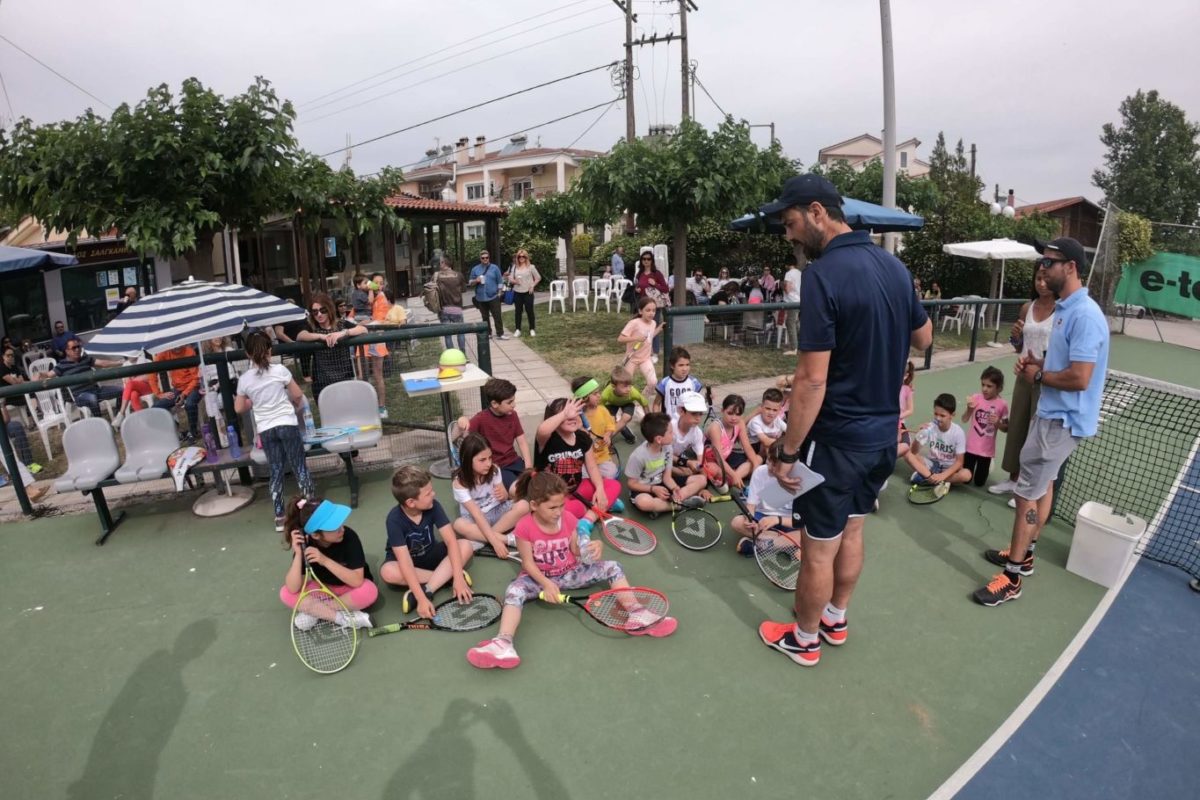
(149, 433)
(41, 365)
(603, 286)
(580, 286)
(348, 403)
(558, 288)
(90, 440)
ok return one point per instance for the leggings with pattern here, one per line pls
(285, 448)
(525, 588)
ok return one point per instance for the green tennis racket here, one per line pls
(322, 627)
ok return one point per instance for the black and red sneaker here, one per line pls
(999, 590)
(1000, 559)
(781, 636)
(833, 633)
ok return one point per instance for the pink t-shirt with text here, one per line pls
(981, 434)
(551, 551)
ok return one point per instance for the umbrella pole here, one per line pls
(1000, 295)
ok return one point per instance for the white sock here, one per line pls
(804, 637)
(510, 540)
(834, 614)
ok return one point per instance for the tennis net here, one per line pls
(1143, 461)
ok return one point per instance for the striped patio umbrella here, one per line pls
(189, 313)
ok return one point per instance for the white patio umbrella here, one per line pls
(1002, 249)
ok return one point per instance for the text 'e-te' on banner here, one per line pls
(1167, 282)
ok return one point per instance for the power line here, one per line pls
(442, 75)
(442, 50)
(11, 114)
(706, 94)
(53, 70)
(314, 104)
(472, 107)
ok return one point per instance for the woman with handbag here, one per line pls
(524, 278)
(652, 284)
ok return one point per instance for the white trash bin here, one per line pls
(1103, 543)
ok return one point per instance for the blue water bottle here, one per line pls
(235, 449)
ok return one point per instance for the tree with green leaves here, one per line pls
(1152, 163)
(674, 180)
(917, 194)
(556, 217)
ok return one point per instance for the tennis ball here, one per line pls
(452, 357)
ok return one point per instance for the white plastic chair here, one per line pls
(955, 319)
(92, 455)
(603, 290)
(150, 436)
(580, 291)
(618, 289)
(40, 365)
(49, 410)
(342, 405)
(558, 293)
(32, 357)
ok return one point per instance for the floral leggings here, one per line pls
(285, 448)
(525, 588)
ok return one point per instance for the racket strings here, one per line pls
(628, 609)
(323, 644)
(779, 559)
(628, 537)
(481, 612)
(695, 528)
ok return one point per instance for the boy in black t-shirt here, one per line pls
(415, 557)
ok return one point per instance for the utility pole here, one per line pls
(630, 124)
(683, 46)
(972, 159)
(889, 118)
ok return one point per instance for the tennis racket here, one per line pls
(322, 435)
(488, 551)
(322, 634)
(613, 455)
(452, 445)
(694, 528)
(482, 611)
(636, 346)
(626, 535)
(776, 552)
(632, 608)
(923, 494)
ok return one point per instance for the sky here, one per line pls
(1029, 83)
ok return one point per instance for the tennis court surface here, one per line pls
(160, 666)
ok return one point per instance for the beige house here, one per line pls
(862, 150)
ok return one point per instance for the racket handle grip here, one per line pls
(384, 629)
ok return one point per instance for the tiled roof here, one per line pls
(496, 157)
(1053, 205)
(412, 202)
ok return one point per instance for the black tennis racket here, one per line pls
(613, 455)
(323, 634)
(693, 527)
(631, 608)
(452, 616)
(776, 552)
(488, 551)
(626, 535)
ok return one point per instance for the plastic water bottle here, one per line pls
(310, 427)
(235, 449)
(584, 538)
(210, 443)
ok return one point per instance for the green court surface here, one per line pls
(160, 665)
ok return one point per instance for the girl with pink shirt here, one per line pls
(637, 336)
(550, 561)
(903, 437)
(986, 413)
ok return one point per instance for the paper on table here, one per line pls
(421, 384)
(809, 479)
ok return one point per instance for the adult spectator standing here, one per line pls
(651, 283)
(332, 364)
(524, 277)
(487, 280)
(185, 387)
(450, 288)
(861, 316)
(58, 344)
(791, 294)
(1071, 377)
(618, 262)
(87, 395)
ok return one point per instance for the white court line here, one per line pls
(961, 776)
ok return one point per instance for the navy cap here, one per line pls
(1069, 247)
(802, 190)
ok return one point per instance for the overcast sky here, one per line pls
(1030, 82)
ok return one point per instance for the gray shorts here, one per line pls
(1046, 448)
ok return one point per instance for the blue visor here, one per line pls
(328, 517)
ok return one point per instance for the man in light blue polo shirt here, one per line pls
(487, 280)
(1071, 374)
(618, 263)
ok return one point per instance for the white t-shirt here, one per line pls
(941, 447)
(694, 439)
(768, 496)
(483, 494)
(671, 390)
(792, 293)
(758, 426)
(267, 390)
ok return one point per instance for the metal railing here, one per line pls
(222, 360)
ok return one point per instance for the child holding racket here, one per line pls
(637, 335)
(652, 487)
(732, 466)
(565, 450)
(768, 501)
(270, 391)
(550, 562)
(336, 555)
(486, 514)
(599, 424)
(946, 445)
(416, 559)
(622, 401)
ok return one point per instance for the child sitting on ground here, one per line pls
(945, 444)
(987, 413)
(903, 437)
(416, 560)
(726, 464)
(768, 501)
(486, 515)
(500, 425)
(336, 555)
(550, 562)
(563, 449)
(598, 423)
(678, 382)
(620, 397)
(767, 426)
(687, 440)
(652, 487)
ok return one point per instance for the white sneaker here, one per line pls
(532, 332)
(357, 619)
(789, 352)
(493, 654)
(517, 333)
(510, 540)
(1003, 487)
(503, 337)
(304, 621)
(117, 420)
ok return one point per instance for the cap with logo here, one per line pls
(802, 190)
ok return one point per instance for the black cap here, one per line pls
(1069, 247)
(802, 190)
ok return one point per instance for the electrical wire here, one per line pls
(442, 75)
(46, 66)
(470, 108)
(706, 93)
(11, 114)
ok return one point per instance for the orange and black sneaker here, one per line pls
(781, 636)
(999, 590)
(833, 633)
(1000, 559)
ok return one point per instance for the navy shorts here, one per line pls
(852, 481)
(433, 555)
(736, 459)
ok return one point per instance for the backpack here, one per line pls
(431, 297)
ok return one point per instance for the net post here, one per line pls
(483, 348)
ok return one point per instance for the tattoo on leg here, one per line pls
(1031, 516)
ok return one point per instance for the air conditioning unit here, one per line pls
(538, 170)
